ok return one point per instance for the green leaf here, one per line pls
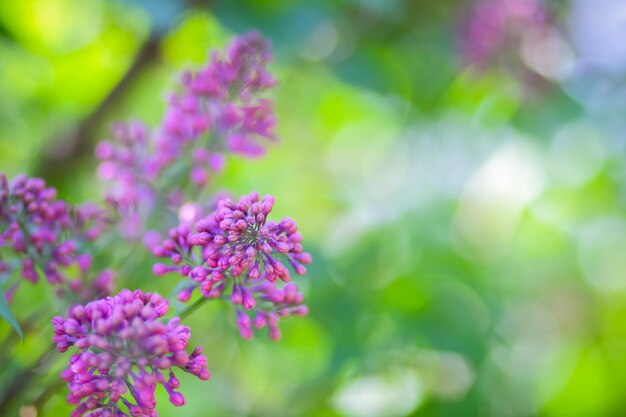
(7, 314)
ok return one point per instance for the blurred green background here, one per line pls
(467, 222)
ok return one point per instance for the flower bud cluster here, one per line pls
(85, 285)
(127, 172)
(216, 109)
(89, 222)
(235, 250)
(223, 99)
(44, 234)
(275, 304)
(33, 223)
(125, 350)
(495, 27)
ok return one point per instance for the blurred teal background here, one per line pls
(467, 224)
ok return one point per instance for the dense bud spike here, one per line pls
(219, 107)
(230, 252)
(125, 348)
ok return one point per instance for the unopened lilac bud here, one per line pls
(282, 247)
(290, 291)
(185, 294)
(245, 202)
(267, 204)
(247, 298)
(276, 296)
(173, 382)
(199, 176)
(216, 162)
(199, 239)
(236, 297)
(274, 332)
(177, 399)
(254, 271)
(303, 258)
(84, 262)
(300, 311)
(223, 263)
(260, 321)
(162, 269)
(243, 321)
(300, 269)
(104, 150)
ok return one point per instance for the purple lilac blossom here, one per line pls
(238, 254)
(44, 232)
(276, 302)
(127, 172)
(86, 286)
(89, 221)
(126, 349)
(217, 109)
(33, 223)
(494, 27)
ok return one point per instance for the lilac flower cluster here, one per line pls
(221, 100)
(89, 222)
(125, 351)
(217, 109)
(33, 223)
(128, 172)
(278, 303)
(236, 252)
(86, 286)
(44, 233)
(495, 26)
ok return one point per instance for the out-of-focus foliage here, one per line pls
(468, 227)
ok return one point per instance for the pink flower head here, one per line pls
(233, 251)
(45, 234)
(495, 27)
(125, 351)
(275, 303)
(33, 223)
(127, 171)
(218, 109)
(89, 221)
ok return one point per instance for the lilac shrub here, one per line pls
(238, 254)
(126, 350)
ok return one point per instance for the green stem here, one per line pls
(23, 380)
(48, 393)
(31, 324)
(193, 307)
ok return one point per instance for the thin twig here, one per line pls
(193, 307)
(24, 378)
(79, 142)
(48, 393)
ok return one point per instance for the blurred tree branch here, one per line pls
(55, 165)
(78, 142)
